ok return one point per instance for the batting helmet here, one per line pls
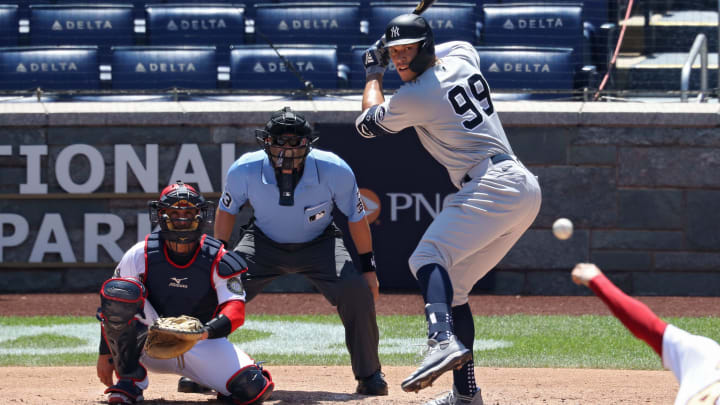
(286, 130)
(409, 29)
(180, 196)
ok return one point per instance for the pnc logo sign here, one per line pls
(371, 201)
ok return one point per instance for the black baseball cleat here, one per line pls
(187, 385)
(373, 385)
(441, 357)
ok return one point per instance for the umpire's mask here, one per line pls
(287, 139)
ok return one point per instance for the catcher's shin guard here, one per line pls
(250, 385)
(121, 299)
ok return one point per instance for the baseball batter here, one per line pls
(695, 360)
(447, 100)
(177, 271)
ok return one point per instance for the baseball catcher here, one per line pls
(170, 305)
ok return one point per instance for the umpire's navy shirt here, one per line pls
(326, 181)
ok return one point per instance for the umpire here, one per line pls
(293, 189)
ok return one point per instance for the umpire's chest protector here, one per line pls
(181, 290)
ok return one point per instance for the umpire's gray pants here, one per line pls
(327, 264)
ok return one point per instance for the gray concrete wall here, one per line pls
(640, 181)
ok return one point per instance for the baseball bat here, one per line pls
(422, 6)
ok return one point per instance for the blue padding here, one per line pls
(391, 80)
(8, 25)
(81, 24)
(49, 67)
(448, 21)
(310, 23)
(157, 67)
(186, 24)
(514, 68)
(259, 67)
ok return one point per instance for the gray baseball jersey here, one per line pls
(450, 107)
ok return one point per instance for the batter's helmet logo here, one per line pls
(371, 201)
(394, 32)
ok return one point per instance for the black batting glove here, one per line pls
(376, 58)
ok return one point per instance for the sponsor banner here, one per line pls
(90, 204)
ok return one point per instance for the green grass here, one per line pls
(529, 341)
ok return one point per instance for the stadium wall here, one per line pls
(639, 181)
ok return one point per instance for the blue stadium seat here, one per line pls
(534, 24)
(259, 67)
(528, 68)
(164, 67)
(391, 80)
(310, 23)
(49, 67)
(9, 25)
(193, 24)
(449, 21)
(82, 24)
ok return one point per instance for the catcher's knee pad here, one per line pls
(121, 299)
(250, 385)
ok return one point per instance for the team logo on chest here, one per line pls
(177, 282)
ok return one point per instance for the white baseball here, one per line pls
(562, 228)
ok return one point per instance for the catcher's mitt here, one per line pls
(171, 337)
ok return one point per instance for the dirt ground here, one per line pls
(331, 385)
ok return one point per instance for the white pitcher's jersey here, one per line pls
(450, 107)
(695, 361)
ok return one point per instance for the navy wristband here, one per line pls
(367, 262)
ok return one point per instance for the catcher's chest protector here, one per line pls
(186, 290)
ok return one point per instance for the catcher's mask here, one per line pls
(409, 29)
(180, 212)
(287, 139)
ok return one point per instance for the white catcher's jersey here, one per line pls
(695, 361)
(451, 109)
(132, 265)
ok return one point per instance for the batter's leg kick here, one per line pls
(121, 300)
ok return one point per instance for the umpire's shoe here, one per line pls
(373, 385)
(441, 357)
(185, 384)
(455, 398)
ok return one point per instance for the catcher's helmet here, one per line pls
(180, 196)
(286, 130)
(409, 29)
